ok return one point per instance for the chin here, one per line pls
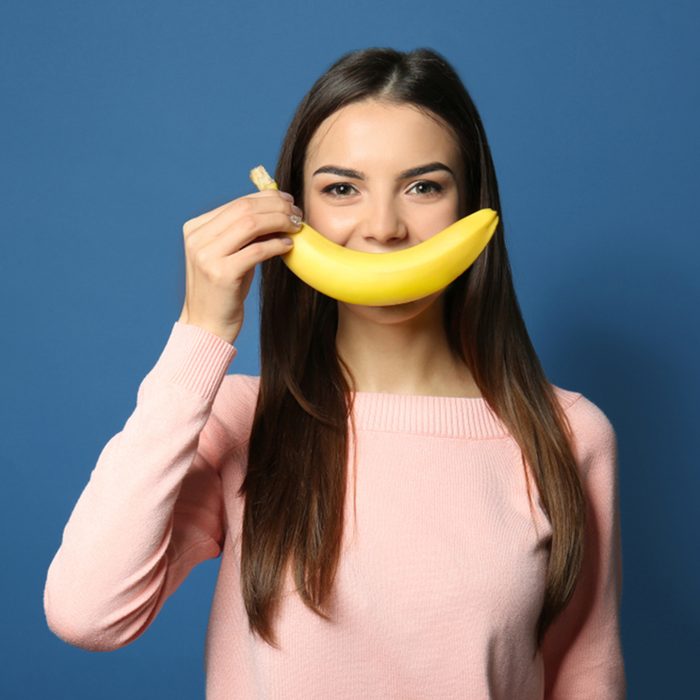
(389, 310)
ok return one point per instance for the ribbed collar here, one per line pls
(447, 416)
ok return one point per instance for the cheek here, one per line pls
(306, 207)
(334, 223)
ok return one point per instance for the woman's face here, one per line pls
(359, 190)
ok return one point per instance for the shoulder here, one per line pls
(233, 409)
(245, 385)
(592, 433)
(237, 396)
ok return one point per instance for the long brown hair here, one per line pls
(295, 482)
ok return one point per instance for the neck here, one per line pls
(404, 357)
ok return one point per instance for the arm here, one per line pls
(582, 649)
(152, 508)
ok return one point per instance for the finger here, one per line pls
(266, 227)
(197, 222)
(244, 214)
(257, 252)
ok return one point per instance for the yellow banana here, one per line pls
(382, 279)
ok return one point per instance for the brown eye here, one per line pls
(333, 189)
(433, 187)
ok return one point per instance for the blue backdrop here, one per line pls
(120, 121)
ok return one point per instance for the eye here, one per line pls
(343, 189)
(331, 189)
(433, 187)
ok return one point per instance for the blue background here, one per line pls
(120, 121)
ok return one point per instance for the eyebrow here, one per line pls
(411, 172)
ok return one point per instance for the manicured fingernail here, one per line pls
(288, 196)
(296, 220)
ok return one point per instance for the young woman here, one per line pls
(404, 506)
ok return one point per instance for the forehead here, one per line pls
(364, 131)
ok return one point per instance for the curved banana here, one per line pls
(382, 279)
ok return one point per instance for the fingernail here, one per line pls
(296, 220)
(298, 211)
(288, 196)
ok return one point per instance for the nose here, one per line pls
(384, 224)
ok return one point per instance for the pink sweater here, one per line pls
(441, 580)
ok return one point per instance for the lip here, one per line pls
(385, 250)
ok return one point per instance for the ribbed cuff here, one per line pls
(195, 359)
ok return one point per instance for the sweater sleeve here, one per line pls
(152, 508)
(582, 648)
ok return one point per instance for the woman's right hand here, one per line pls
(222, 248)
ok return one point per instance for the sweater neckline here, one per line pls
(439, 416)
(445, 416)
